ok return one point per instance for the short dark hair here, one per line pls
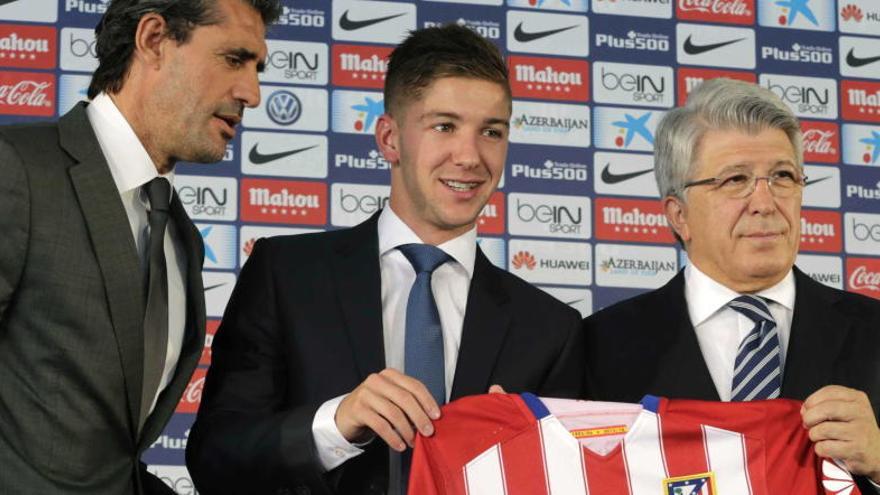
(437, 52)
(115, 31)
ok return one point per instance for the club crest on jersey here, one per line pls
(695, 484)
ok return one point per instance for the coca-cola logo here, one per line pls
(862, 279)
(192, 396)
(731, 11)
(821, 141)
(27, 93)
(816, 141)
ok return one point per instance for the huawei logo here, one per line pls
(851, 12)
(836, 479)
(524, 259)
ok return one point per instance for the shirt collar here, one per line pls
(130, 164)
(394, 232)
(706, 296)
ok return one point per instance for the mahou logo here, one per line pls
(821, 231)
(861, 100)
(821, 141)
(192, 395)
(863, 276)
(690, 78)
(491, 219)
(548, 78)
(210, 332)
(360, 66)
(729, 11)
(28, 47)
(278, 201)
(27, 93)
(632, 220)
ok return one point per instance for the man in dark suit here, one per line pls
(730, 168)
(101, 305)
(320, 363)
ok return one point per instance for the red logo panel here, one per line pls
(549, 78)
(729, 11)
(281, 201)
(863, 276)
(860, 100)
(210, 331)
(821, 231)
(491, 219)
(28, 47)
(360, 66)
(27, 93)
(634, 220)
(821, 141)
(689, 78)
(192, 395)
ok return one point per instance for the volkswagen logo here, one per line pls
(284, 107)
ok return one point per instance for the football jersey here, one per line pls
(508, 444)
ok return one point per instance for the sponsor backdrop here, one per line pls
(577, 213)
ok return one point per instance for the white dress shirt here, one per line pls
(450, 284)
(131, 168)
(715, 322)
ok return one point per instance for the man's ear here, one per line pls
(150, 39)
(676, 215)
(388, 138)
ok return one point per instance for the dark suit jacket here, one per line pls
(304, 325)
(71, 318)
(647, 345)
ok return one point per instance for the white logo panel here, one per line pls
(77, 47)
(377, 22)
(556, 124)
(218, 288)
(823, 186)
(579, 299)
(646, 267)
(810, 97)
(719, 46)
(208, 198)
(554, 34)
(546, 215)
(859, 17)
(284, 154)
(860, 57)
(220, 245)
(624, 174)
(289, 109)
(351, 204)
(861, 144)
(862, 232)
(547, 262)
(296, 62)
(73, 88)
(631, 84)
(826, 270)
(30, 10)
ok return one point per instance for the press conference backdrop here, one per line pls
(577, 213)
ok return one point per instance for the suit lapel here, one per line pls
(115, 251)
(486, 322)
(194, 336)
(818, 332)
(355, 268)
(682, 371)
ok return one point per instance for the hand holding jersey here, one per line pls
(841, 422)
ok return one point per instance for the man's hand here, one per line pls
(842, 425)
(387, 404)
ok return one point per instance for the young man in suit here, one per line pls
(741, 322)
(333, 348)
(101, 307)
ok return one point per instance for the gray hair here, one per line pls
(716, 104)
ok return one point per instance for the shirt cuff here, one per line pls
(333, 448)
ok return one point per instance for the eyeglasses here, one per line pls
(738, 185)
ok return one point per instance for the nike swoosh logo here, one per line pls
(525, 37)
(610, 178)
(573, 302)
(4, 2)
(350, 25)
(691, 49)
(210, 287)
(854, 61)
(258, 158)
(816, 180)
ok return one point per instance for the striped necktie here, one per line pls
(757, 372)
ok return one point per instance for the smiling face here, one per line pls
(745, 244)
(447, 148)
(205, 84)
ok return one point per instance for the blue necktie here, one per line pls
(423, 348)
(757, 372)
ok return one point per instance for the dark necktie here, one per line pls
(757, 372)
(156, 315)
(423, 344)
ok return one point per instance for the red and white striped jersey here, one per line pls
(507, 444)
